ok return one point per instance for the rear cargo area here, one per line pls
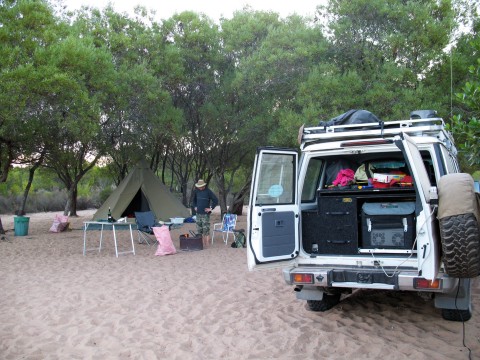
(373, 211)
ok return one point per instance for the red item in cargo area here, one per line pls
(381, 185)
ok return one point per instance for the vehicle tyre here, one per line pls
(459, 226)
(460, 245)
(456, 315)
(328, 301)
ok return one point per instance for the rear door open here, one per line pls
(273, 214)
(428, 249)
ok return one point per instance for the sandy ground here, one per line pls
(56, 303)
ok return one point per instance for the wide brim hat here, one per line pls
(200, 183)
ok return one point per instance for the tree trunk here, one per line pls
(31, 174)
(238, 199)
(184, 187)
(222, 194)
(71, 205)
(2, 231)
(222, 201)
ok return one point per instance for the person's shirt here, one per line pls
(203, 199)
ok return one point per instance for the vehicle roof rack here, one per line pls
(416, 127)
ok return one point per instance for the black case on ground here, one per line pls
(191, 243)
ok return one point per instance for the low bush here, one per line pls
(43, 201)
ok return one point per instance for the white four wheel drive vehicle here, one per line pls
(368, 205)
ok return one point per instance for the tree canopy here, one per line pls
(196, 97)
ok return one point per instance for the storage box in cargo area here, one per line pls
(388, 225)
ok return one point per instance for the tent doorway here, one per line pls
(139, 203)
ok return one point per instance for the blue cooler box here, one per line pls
(388, 225)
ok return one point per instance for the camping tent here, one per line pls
(142, 190)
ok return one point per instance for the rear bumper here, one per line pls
(351, 278)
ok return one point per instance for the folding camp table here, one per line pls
(100, 225)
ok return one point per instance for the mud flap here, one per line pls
(459, 298)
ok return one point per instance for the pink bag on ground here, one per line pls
(165, 244)
(60, 223)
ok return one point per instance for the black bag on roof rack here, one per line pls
(352, 117)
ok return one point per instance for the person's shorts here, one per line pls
(203, 224)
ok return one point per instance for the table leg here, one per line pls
(131, 237)
(115, 240)
(85, 238)
(101, 239)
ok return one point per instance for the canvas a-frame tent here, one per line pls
(140, 191)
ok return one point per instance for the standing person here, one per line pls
(204, 201)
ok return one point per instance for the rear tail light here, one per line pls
(302, 278)
(421, 283)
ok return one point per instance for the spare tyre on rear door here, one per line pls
(459, 221)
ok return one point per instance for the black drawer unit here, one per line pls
(337, 225)
(310, 234)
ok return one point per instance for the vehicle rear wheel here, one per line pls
(456, 315)
(328, 301)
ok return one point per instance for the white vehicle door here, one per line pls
(273, 215)
(428, 248)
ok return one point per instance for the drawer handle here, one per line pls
(338, 241)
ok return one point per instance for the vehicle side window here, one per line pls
(312, 176)
(428, 162)
(450, 161)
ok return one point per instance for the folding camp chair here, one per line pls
(226, 227)
(145, 222)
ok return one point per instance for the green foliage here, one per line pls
(47, 192)
(27, 28)
(15, 184)
(381, 51)
(409, 34)
(467, 126)
(195, 98)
